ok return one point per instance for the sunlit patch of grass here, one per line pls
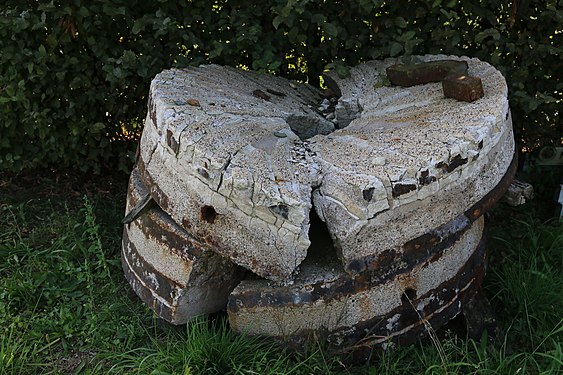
(205, 346)
(526, 279)
(59, 284)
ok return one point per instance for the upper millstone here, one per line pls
(238, 158)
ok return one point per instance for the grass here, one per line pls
(65, 306)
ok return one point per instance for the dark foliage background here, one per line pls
(74, 74)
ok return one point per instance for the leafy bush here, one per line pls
(74, 74)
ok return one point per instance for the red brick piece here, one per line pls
(418, 74)
(464, 88)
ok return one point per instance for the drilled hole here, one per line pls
(208, 214)
(368, 194)
(409, 295)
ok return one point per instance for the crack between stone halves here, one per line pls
(227, 164)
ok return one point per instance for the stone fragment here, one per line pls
(426, 72)
(173, 273)
(441, 158)
(193, 102)
(464, 88)
(518, 193)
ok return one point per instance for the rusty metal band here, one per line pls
(164, 286)
(157, 194)
(157, 224)
(340, 288)
(412, 324)
(161, 310)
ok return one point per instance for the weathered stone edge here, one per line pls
(170, 299)
(428, 247)
(440, 237)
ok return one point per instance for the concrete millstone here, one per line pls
(244, 163)
(422, 158)
(231, 170)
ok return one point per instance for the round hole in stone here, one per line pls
(208, 214)
(409, 295)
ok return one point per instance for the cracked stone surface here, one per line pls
(239, 159)
(422, 157)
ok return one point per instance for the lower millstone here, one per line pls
(326, 302)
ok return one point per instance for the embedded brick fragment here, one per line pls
(174, 274)
(464, 88)
(425, 72)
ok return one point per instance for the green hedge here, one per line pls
(74, 74)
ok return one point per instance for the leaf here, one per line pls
(128, 57)
(318, 19)
(395, 49)
(408, 35)
(480, 37)
(330, 29)
(42, 51)
(276, 22)
(137, 26)
(97, 127)
(400, 22)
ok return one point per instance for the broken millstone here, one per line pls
(402, 173)
(426, 72)
(218, 169)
